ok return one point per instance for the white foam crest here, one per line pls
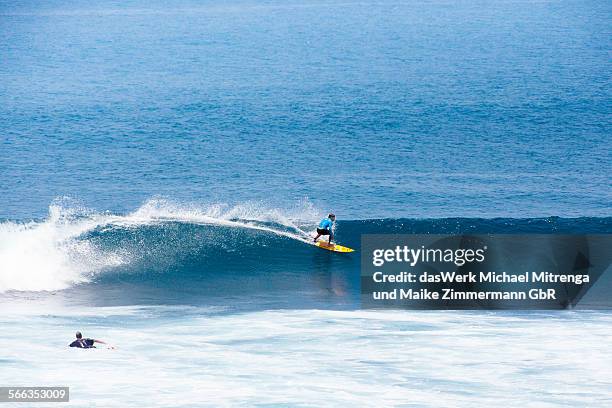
(245, 215)
(46, 255)
(163, 209)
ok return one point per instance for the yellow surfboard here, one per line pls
(333, 247)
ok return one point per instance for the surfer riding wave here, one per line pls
(326, 228)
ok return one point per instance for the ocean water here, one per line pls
(373, 109)
(164, 164)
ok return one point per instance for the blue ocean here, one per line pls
(164, 165)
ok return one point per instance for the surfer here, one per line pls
(326, 228)
(80, 342)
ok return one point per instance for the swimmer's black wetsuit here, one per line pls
(83, 343)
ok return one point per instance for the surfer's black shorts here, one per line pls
(322, 231)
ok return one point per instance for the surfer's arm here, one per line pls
(108, 346)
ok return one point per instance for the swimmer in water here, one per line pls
(80, 342)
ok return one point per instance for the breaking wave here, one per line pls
(178, 248)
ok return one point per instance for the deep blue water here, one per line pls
(372, 109)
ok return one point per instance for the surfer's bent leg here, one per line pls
(321, 231)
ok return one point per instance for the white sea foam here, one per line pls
(52, 254)
(47, 255)
(174, 357)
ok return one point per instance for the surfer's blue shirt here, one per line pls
(326, 223)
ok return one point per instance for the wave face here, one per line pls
(166, 252)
